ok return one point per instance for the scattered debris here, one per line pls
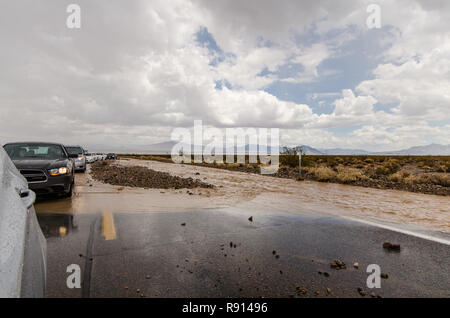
(126, 287)
(301, 290)
(384, 275)
(391, 247)
(147, 277)
(356, 265)
(250, 219)
(142, 177)
(328, 290)
(362, 292)
(338, 264)
(183, 224)
(373, 295)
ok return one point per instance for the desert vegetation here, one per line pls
(424, 174)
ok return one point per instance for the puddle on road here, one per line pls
(255, 192)
(57, 225)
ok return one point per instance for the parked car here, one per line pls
(48, 167)
(23, 248)
(80, 161)
(111, 156)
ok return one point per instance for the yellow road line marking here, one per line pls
(108, 228)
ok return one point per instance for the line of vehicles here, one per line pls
(28, 169)
(49, 168)
(93, 157)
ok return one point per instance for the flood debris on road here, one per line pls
(338, 264)
(391, 247)
(362, 292)
(142, 177)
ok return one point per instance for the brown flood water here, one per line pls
(254, 191)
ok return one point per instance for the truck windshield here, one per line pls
(35, 151)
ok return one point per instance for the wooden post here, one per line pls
(300, 163)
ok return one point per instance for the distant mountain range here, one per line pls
(431, 150)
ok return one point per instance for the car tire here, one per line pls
(69, 194)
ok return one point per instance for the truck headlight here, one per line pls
(59, 171)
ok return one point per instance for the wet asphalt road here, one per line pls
(155, 254)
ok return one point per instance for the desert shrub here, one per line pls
(348, 175)
(382, 171)
(290, 160)
(441, 168)
(398, 176)
(413, 179)
(388, 167)
(323, 173)
(439, 179)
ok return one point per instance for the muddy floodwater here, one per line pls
(253, 192)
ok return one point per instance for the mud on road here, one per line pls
(253, 192)
(142, 177)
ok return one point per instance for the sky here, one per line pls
(136, 70)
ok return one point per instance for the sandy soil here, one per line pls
(254, 192)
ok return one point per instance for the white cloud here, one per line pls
(134, 70)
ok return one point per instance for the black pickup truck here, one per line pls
(47, 167)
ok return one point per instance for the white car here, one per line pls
(101, 156)
(23, 248)
(80, 161)
(90, 158)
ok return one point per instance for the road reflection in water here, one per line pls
(57, 225)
